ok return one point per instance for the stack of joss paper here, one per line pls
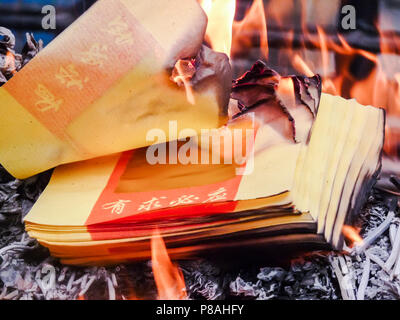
(290, 166)
(307, 172)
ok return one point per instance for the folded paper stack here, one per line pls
(308, 168)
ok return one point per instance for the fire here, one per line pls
(253, 23)
(238, 38)
(300, 65)
(352, 234)
(221, 14)
(169, 279)
(279, 10)
(226, 35)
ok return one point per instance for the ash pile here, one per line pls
(368, 271)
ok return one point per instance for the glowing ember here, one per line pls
(169, 279)
(352, 234)
(131, 296)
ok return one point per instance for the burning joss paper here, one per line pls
(123, 68)
(306, 175)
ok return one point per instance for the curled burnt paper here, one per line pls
(208, 73)
(289, 103)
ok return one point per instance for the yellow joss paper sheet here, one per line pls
(100, 86)
(125, 188)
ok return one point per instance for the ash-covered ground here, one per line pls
(28, 272)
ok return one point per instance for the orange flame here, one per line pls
(324, 50)
(221, 14)
(280, 10)
(169, 279)
(347, 49)
(254, 23)
(237, 39)
(300, 65)
(227, 35)
(352, 234)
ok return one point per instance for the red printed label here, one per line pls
(115, 205)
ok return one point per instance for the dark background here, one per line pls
(23, 16)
